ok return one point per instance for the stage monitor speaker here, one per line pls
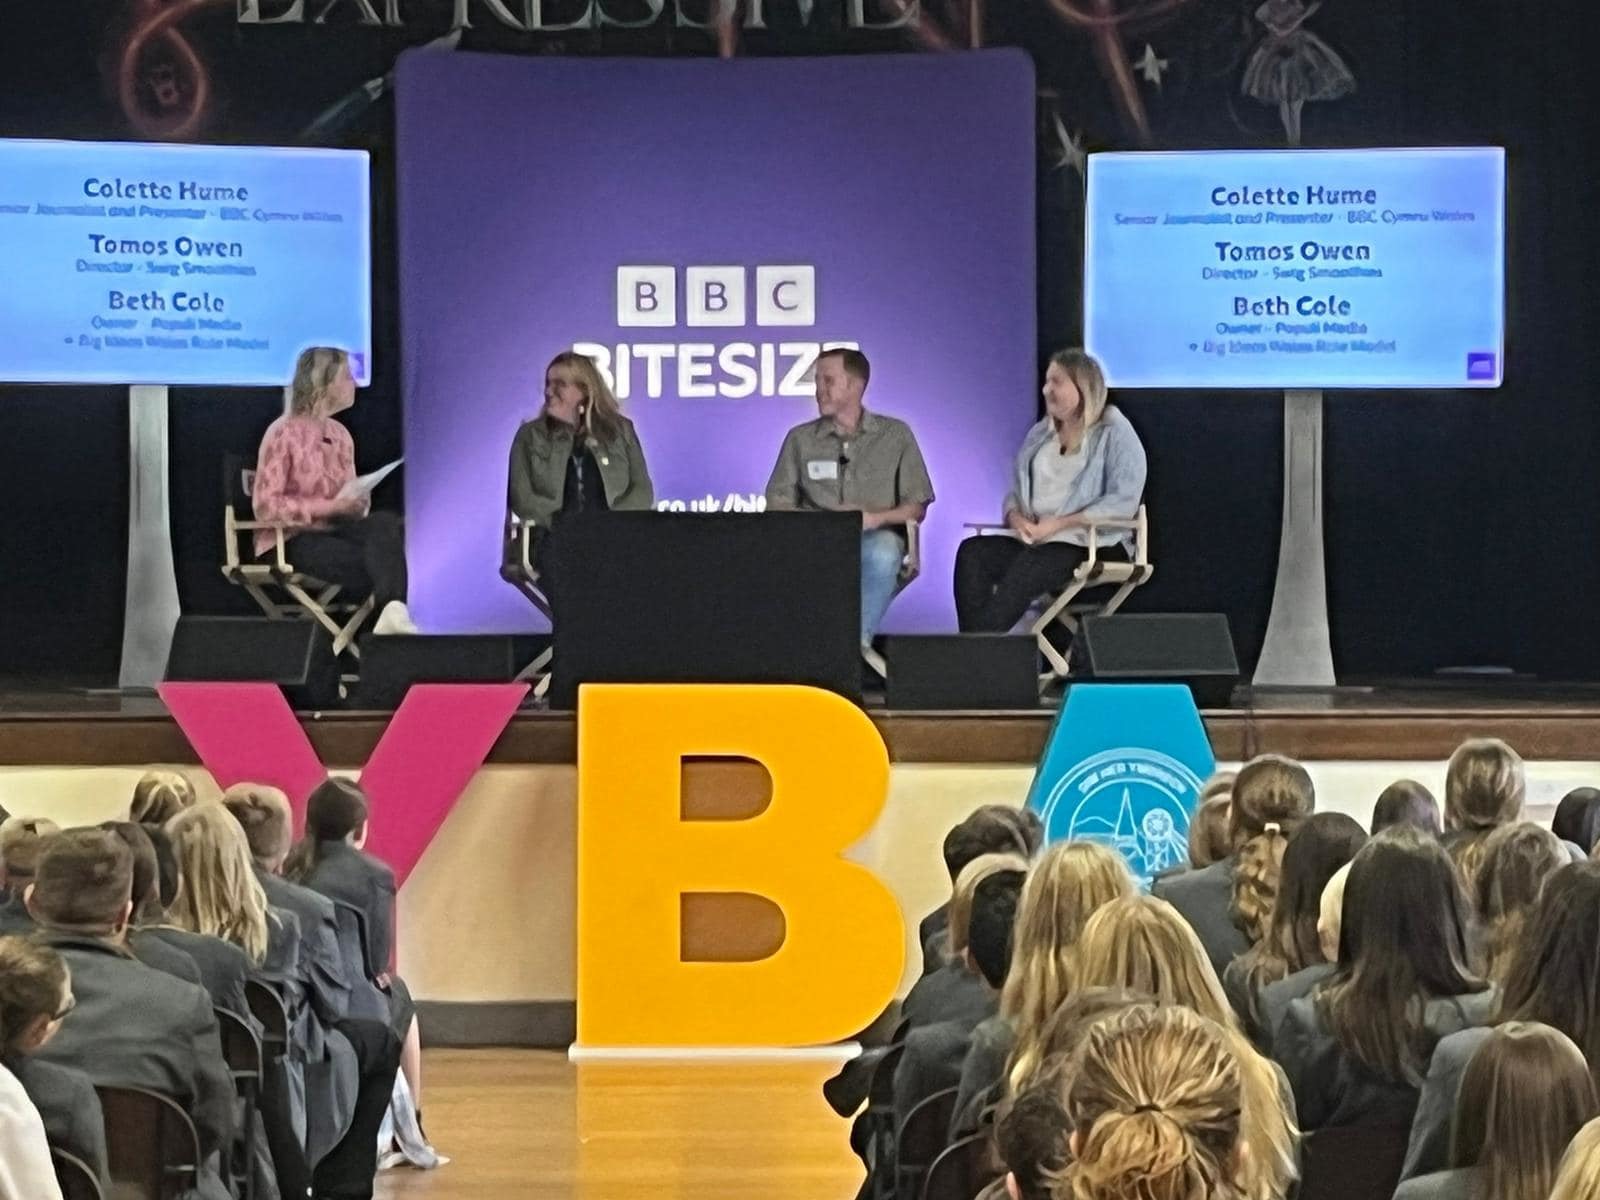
(1191, 648)
(961, 671)
(296, 655)
(390, 665)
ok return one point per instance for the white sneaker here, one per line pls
(395, 618)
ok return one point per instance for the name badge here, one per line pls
(822, 468)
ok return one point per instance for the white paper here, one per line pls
(362, 485)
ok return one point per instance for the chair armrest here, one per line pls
(913, 559)
(518, 551)
(983, 527)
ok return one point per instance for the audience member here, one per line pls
(1154, 1110)
(1228, 903)
(1030, 1138)
(1141, 943)
(1517, 860)
(1553, 978)
(1526, 1092)
(1356, 1049)
(132, 1026)
(35, 998)
(159, 796)
(957, 991)
(1406, 802)
(1068, 884)
(343, 1054)
(1578, 1177)
(1577, 818)
(1208, 832)
(1484, 787)
(20, 842)
(1323, 843)
(991, 829)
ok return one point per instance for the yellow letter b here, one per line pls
(843, 947)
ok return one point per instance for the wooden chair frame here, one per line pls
(308, 595)
(517, 569)
(910, 568)
(1094, 572)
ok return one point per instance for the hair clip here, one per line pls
(1272, 827)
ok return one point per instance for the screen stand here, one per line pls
(1297, 652)
(151, 611)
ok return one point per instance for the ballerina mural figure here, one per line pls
(1293, 65)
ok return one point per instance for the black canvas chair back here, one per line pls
(241, 1050)
(922, 1138)
(879, 1119)
(75, 1177)
(152, 1150)
(962, 1170)
(273, 1098)
(1353, 1162)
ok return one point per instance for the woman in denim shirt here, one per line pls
(1083, 462)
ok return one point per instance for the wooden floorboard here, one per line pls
(525, 1123)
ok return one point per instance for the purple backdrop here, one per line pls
(904, 182)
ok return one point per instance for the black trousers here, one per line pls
(362, 556)
(348, 1170)
(997, 578)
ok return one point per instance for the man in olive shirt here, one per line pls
(850, 460)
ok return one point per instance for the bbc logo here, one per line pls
(716, 296)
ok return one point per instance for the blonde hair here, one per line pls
(1087, 376)
(974, 873)
(219, 894)
(264, 815)
(1208, 832)
(1517, 859)
(1143, 944)
(1484, 787)
(1154, 1101)
(314, 373)
(1330, 914)
(159, 796)
(605, 414)
(1067, 885)
(1270, 798)
(1578, 1175)
(1524, 1094)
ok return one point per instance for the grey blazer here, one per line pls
(1205, 900)
(1276, 997)
(344, 873)
(321, 972)
(983, 1074)
(931, 1063)
(223, 966)
(952, 993)
(1442, 1185)
(1429, 1147)
(134, 1026)
(932, 935)
(14, 918)
(70, 1107)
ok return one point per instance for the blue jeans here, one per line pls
(882, 552)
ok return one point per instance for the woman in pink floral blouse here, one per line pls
(305, 461)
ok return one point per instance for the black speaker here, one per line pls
(390, 665)
(296, 655)
(1191, 648)
(957, 671)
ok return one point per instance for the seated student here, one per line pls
(1208, 829)
(1551, 979)
(1154, 1109)
(1276, 997)
(991, 829)
(852, 460)
(957, 991)
(1406, 802)
(1577, 818)
(327, 1032)
(35, 998)
(1517, 861)
(1322, 844)
(1526, 1092)
(1070, 882)
(1141, 944)
(131, 1026)
(20, 840)
(159, 796)
(1356, 1049)
(1228, 903)
(155, 941)
(1578, 1176)
(1484, 788)
(934, 1054)
(1030, 1138)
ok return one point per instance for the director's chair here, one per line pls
(517, 569)
(910, 568)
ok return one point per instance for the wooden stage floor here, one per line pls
(527, 1124)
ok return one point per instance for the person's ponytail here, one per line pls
(1271, 796)
(336, 809)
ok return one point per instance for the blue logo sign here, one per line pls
(1124, 766)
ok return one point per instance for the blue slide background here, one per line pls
(312, 281)
(1154, 319)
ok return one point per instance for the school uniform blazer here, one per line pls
(1276, 997)
(223, 966)
(1429, 1147)
(1442, 1185)
(14, 918)
(70, 1108)
(952, 993)
(322, 973)
(931, 1063)
(983, 1073)
(1260, 1009)
(933, 936)
(1205, 900)
(169, 960)
(344, 873)
(134, 1026)
(1331, 1088)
